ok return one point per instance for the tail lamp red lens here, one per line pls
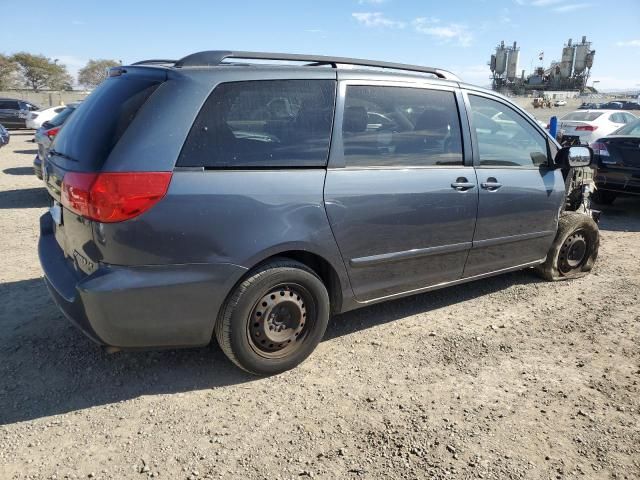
(52, 132)
(113, 197)
(587, 128)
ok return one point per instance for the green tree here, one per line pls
(94, 72)
(38, 71)
(7, 72)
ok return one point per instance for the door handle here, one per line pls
(491, 184)
(462, 184)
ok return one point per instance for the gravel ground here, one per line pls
(509, 377)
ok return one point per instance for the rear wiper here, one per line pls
(58, 154)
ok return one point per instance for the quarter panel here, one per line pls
(217, 216)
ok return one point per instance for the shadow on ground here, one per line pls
(31, 151)
(24, 198)
(47, 367)
(18, 171)
(622, 216)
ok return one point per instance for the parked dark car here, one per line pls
(45, 135)
(13, 113)
(630, 105)
(617, 159)
(5, 136)
(612, 105)
(204, 197)
(590, 106)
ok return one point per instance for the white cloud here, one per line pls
(372, 2)
(545, 3)
(376, 19)
(555, 5)
(571, 7)
(629, 43)
(444, 32)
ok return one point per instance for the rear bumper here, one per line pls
(620, 180)
(137, 307)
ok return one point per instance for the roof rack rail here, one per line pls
(212, 58)
(154, 62)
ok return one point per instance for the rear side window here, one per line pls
(99, 121)
(265, 123)
(630, 129)
(400, 126)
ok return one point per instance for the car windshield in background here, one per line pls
(632, 128)
(60, 118)
(582, 116)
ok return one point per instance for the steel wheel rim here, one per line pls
(573, 253)
(281, 320)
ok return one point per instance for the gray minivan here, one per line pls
(216, 195)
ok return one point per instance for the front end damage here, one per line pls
(580, 185)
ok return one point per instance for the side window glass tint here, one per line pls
(266, 123)
(504, 137)
(9, 105)
(400, 126)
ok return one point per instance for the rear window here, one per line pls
(263, 124)
(61, 117)
(582, 116)
(98, 122)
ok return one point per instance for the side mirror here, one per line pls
(572, 157)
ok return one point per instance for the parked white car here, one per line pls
(585, 126)
(560, 103)
(37, 118)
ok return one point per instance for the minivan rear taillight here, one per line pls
(113, 197)
(52, 132)
(587, 128)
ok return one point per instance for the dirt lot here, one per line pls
(509, 377)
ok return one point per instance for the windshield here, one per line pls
(582, 116)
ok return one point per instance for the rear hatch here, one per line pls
(80, 150)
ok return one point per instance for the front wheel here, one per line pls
(275, 318)
(574, 250)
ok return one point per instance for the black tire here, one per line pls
(604, 197)
(574, 250)
(274, 318)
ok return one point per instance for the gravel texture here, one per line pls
(509, 377)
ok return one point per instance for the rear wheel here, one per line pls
(275, 318)
(604, 197)
(574, 250)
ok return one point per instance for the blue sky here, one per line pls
(456, 35)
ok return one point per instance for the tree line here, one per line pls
(37, 72)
